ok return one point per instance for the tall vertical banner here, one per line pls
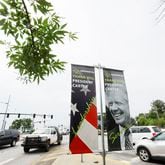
(117, 111)
(83, 119)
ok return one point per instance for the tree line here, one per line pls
(24, 125)
(155, 115)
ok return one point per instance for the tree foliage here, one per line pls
(159, 106)
(35, 27)
(156, 115)
(24, 124)
(16, 124)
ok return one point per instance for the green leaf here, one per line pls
(2, 21)
(45, 22)
(10, 63)
(63, 26)
(2, 42)
(35, 8)
(3, 10)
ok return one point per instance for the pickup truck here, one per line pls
(42, 138)
(10, 136)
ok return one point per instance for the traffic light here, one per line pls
(44, 116)
(51, 116)
(19, 115)
(7, 115)
(34, 115)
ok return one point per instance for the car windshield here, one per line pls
(42, 131)
(160, 136)
(156, 129)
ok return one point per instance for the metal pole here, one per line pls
(102, 124)
(82, 158)
(33, 123)
(4, 119)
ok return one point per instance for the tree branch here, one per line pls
(29, 23)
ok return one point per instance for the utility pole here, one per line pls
(4, 119)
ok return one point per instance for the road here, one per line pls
(16, 156)
(132, 158)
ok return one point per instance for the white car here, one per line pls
(162, 129)
(143, 132)
(147, 149)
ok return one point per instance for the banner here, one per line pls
(83, 121)
(117, 111)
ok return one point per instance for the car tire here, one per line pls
(26, 150)
(13, 143)
(144, 154)
(59, 142)
(47, 147)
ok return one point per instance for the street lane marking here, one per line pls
(52, 156)
(118, 161)
(47, 159)
(6, 161)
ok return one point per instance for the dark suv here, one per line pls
(9, 136)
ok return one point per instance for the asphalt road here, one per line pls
(16, 156)
(131, 157)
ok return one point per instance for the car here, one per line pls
(143, 132)
(9, 136)
(65, 131)
(162, 129)
(42, 138)
(154, 147)
(99, 131)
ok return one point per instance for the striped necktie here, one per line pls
(128, 145)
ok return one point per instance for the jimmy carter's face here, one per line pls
(118, 105)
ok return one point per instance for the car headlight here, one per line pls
(44, 138)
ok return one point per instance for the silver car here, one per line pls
(147, 149)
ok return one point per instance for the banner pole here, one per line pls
(102, 124)
(82, 158)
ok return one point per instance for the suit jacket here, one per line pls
(113, 133)
(114, 142)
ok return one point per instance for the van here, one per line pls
(143, 132)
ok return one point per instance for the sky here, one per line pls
(116, 34)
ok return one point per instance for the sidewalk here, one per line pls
(87, 159)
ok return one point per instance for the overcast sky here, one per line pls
(119, 34)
